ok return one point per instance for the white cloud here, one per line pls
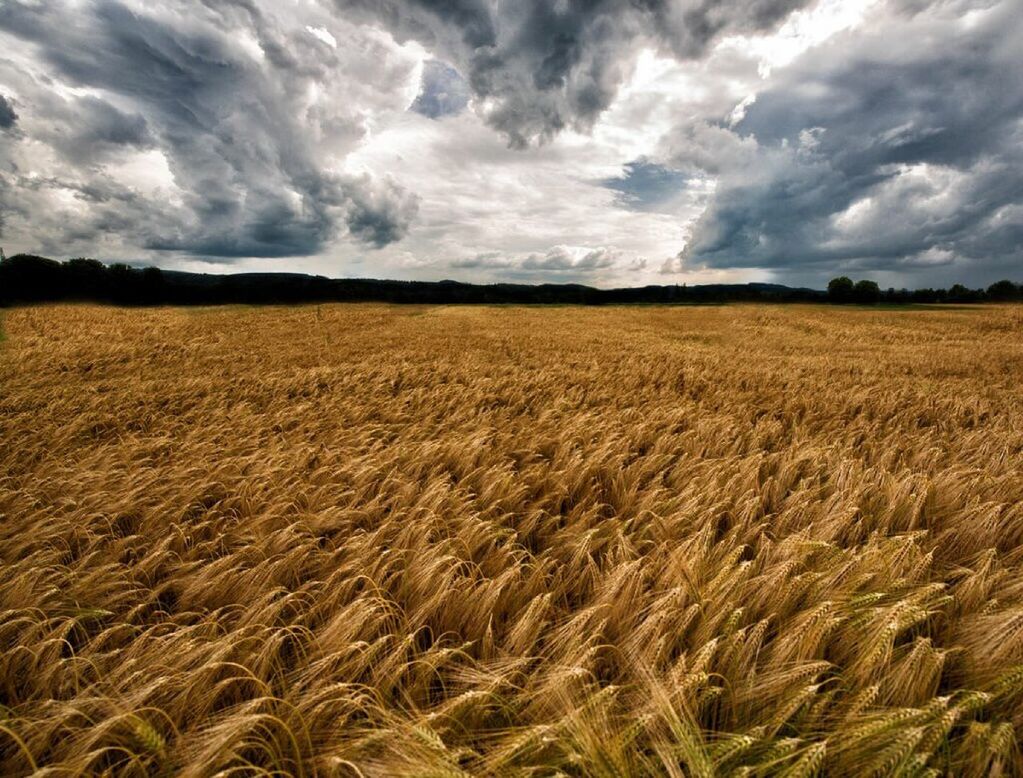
(323, 35)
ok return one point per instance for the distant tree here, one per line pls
(151, 286)
(86, 278)
(1003, 290)
(124, 283)
(840, 290)
(866, 292)
(895, 296)
(28, 278)
(962, 294)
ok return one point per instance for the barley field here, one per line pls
(409, 541)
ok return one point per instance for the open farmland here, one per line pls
(372, 540)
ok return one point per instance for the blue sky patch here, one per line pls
(645, 186)
(442, 91)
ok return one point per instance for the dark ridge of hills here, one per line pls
(30, 279)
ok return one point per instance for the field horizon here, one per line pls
(382, 540)
(31, 279)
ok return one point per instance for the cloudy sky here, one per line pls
(610, 142)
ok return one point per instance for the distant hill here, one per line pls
(26, 278)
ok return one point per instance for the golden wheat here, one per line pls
(379, 541)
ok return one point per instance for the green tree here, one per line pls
(840, 290)
(1003, 290)
(866, 292)
(151, 288)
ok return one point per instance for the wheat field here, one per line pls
(408, 541)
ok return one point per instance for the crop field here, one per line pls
(364, 540)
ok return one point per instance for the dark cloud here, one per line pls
(486, 260)
(88, 130)
(229, 119)
(113, 211)
(103, 124)
(645, 185)
(560, 259)
(380, 215)
(7, 115)
(444, 24)
(898, 151)
(688, 27)
(561, 262)
(539, 67)
(443, 91)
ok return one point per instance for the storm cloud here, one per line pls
(538, 67)
(7, 115)
(222, 93)
(893, 151)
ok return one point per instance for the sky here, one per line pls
(606, 142)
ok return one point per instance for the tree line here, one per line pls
(842, 290)
(31, 279)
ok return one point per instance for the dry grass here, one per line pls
(364, 540)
